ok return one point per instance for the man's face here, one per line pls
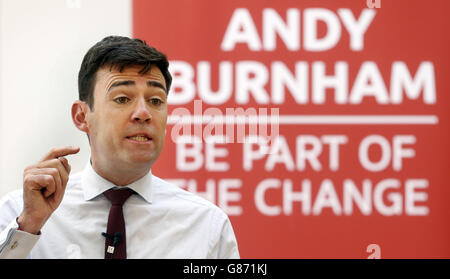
(127, 125)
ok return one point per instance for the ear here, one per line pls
(80, 111)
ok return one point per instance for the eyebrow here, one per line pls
(150, 83)
(156, 84)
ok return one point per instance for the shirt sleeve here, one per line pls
(223, 241)
(14, 244)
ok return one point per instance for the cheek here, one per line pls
(159, 126)
(105, 129)
(160, 122)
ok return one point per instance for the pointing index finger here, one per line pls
(60, 152)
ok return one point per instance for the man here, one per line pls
(122, 107)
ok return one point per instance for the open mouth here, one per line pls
(140, 138)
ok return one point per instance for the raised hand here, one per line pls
(43, 188)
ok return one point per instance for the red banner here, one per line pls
(320, 127)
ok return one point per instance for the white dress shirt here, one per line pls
(162, 221)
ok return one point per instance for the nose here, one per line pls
(141, 112)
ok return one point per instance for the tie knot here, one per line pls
(118, 196)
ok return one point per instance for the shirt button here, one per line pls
(14, 245)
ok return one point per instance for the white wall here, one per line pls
(42, 44)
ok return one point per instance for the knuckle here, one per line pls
(54, 172)
(64, 161)
(54, 163)
(65, 177)
(48, 179)
(27, 179)
(29, 169)
(61, 161)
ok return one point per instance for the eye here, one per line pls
(156, 101)
(121, 100)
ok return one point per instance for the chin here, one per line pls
(142, 159)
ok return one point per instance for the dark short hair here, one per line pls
(120, 52)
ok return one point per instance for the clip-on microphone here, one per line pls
(117, 238)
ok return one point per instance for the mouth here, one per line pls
(140, 138)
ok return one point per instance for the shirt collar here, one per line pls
(93, 184)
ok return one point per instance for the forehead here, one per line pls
(107, 75)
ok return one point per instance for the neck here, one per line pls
(120, 176)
